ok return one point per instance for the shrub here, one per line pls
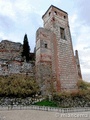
(18, 86)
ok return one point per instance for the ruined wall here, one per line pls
(10, 50)
(15, 67)
(78, 65)
(11, 60)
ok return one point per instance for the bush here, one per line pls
(18, 86)
(80, 98)
(83, 85)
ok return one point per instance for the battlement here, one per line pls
(53, 8)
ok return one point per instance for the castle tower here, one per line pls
(44, 47)
(54, 50)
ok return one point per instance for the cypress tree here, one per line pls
(26, 48)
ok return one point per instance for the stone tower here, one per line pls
(55, 62)
(78, 65)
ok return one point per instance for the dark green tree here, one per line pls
(26, 48)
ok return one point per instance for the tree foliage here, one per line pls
(26, 48)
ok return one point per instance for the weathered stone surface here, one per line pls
(15, 67)
(11, 60)
(78, 65)
(54, 45)
(10, 50)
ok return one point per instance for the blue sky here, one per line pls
(18, 17)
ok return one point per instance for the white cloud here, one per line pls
(86, 77)
(81, 39)
(16, 9)
(6, 9)
(83, 10)
(24, 7)
(3, 36)
(73, 24)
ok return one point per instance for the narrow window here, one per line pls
(55, 13)
(49, 13)
(64, 17)
(45, 45)
(62, 33)
(53, 19)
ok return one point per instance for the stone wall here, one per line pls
(16, 67)
(10, 50)
(44, 59)
(58, 23)
(56, 34)
(78, 65)
(11, 60)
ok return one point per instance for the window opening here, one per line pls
(45, 45)
(62, 33)
(49, 13)
(55, 13)
(64, 17)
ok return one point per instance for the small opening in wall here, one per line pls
(64, 17)
(62, 33)
(49, 13)
(55, 12)
(53, 19)
(45, 45)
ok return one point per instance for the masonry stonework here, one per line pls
(54, 50)
(11, 60)
(78, 65)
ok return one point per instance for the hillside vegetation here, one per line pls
(18, 86)
(79, 98)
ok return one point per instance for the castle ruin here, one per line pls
(55, 62)
(57, 69)
(11, 60)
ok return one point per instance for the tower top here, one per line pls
(51, 7)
